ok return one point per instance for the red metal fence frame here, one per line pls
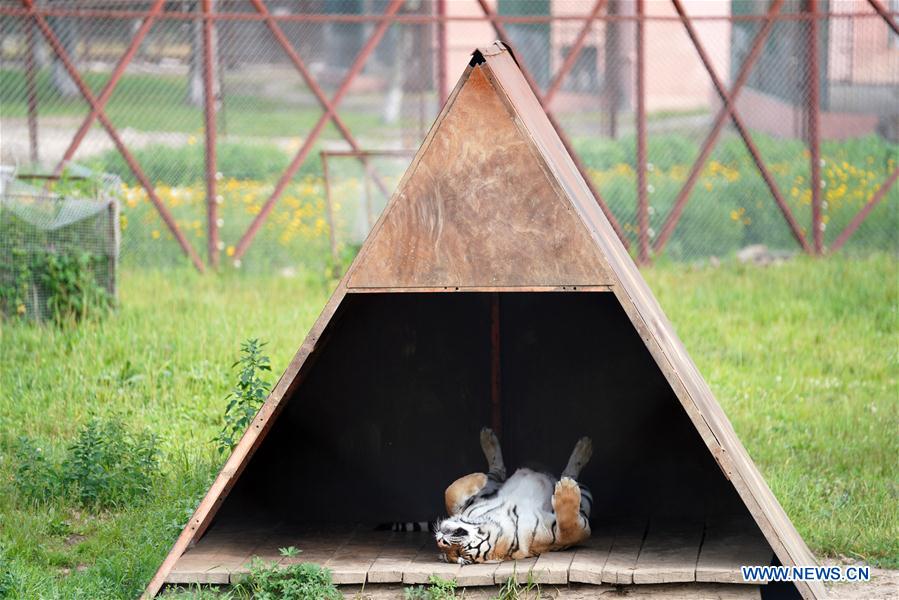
(97, 109)
(37, 16)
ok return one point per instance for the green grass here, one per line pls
(157, 103)
(802, 356)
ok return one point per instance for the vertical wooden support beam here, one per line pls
(209, 98)
(813, 114)
(642, 199)
(496, 412)
(31, 90)
(442, 51)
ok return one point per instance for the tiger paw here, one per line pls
(490, 446)
(583, 450)
(567, 495)
(488, 439)
(566, 504)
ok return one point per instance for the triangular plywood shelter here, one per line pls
(491, 290)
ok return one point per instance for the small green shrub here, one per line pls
(36, 476)
(66, 281)
(304, 581)
(107, 466)
(437, 589)
(9, 583)
(71, 288)
(512, 590)
(247, 396)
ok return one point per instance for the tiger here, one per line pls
(492, 518)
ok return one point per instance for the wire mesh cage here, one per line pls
(59, 245)
(701, 144)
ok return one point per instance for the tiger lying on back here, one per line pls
(493, 518)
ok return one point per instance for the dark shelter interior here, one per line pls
(389, 411)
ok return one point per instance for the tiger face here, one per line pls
(462, 542)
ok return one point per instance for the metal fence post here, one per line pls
(813, 114)
(442, 58)
(209, 113)
(642, 199)
(31, 86)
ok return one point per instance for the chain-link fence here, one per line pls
(733, 104)
(58, 245)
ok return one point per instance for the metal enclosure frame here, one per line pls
(37, 16)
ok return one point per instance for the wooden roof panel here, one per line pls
(478, 209)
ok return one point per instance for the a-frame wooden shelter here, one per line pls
(491, 290)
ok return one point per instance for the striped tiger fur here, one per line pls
(493, 518)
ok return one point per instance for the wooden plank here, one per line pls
(552, 567)
(477, 574)
(590, 558)
(669, 552)
(519, 569)
(352, 560)
(426, 563)
(234, 559)
(315, 547)
(213, 559)
(687, 591)
(463, 289)
(192, 566)
(619, 567)
(398, 551)
(728, 545)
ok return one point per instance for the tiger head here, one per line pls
(462, 542)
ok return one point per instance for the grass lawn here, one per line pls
(157, 103)
(802, 356)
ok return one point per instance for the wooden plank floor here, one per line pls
(624, 552)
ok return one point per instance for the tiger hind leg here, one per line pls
(464, 491)
(494, 454)
(579, 458)
(571, 505)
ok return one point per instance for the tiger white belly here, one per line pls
(530, 490)
(523, 505)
